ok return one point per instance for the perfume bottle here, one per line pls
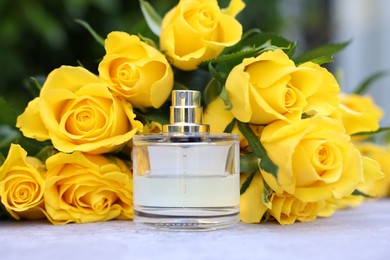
(186, 178)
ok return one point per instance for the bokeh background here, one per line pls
(37, 36)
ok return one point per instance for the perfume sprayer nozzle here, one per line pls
(186, 113)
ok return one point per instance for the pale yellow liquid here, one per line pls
(187, 191)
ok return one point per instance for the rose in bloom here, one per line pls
(198, 30)
(252, 207)
(359, 113)
(22, 184)
(376, 182)
(287, 209)
(136, 70)
(79, 113)
(316, 159)
(270, 87)
(87, 188)
(373, 175)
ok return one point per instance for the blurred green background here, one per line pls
(37, 36)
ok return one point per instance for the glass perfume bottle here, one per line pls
(186, 178)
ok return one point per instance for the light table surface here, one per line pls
(359, 233)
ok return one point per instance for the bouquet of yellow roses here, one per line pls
(304, 145)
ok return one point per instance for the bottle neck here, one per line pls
(186, 114)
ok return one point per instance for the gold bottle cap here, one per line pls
(186, 113)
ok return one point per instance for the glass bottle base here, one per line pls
(186, 219)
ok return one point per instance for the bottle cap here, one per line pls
(186, 113)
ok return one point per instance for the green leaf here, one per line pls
(322, 60)
(255, 38)
(323, 53)
(247, 182)
(265, 162)
(230, 126)
(225, 99)
(248, 35)
(288, 46)
(307, 114)
(266, 217)
(216, 74)
(230, 60)
(366, 84)
(357, 192)
(46, 152)
(249, 163)
(385, 138)
(380, 130)
(37, 84)
(212, 90)
(152, 18)
(95, 35)
(80, 64)
(148, 41)
(34, 84)
(244, 42)
(267, 193)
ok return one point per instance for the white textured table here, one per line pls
(360, 233)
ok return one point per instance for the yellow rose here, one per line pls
(22, 185)
(372, 175)
(198, 30)
(287, 209)
(136, 71)
(87, 188)
(359, 113)
(252, 207)
(331, 205)
(79, 113)
(217, 116)
(376, 181)
(270, 87)
(31, 122)
(316, 159)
